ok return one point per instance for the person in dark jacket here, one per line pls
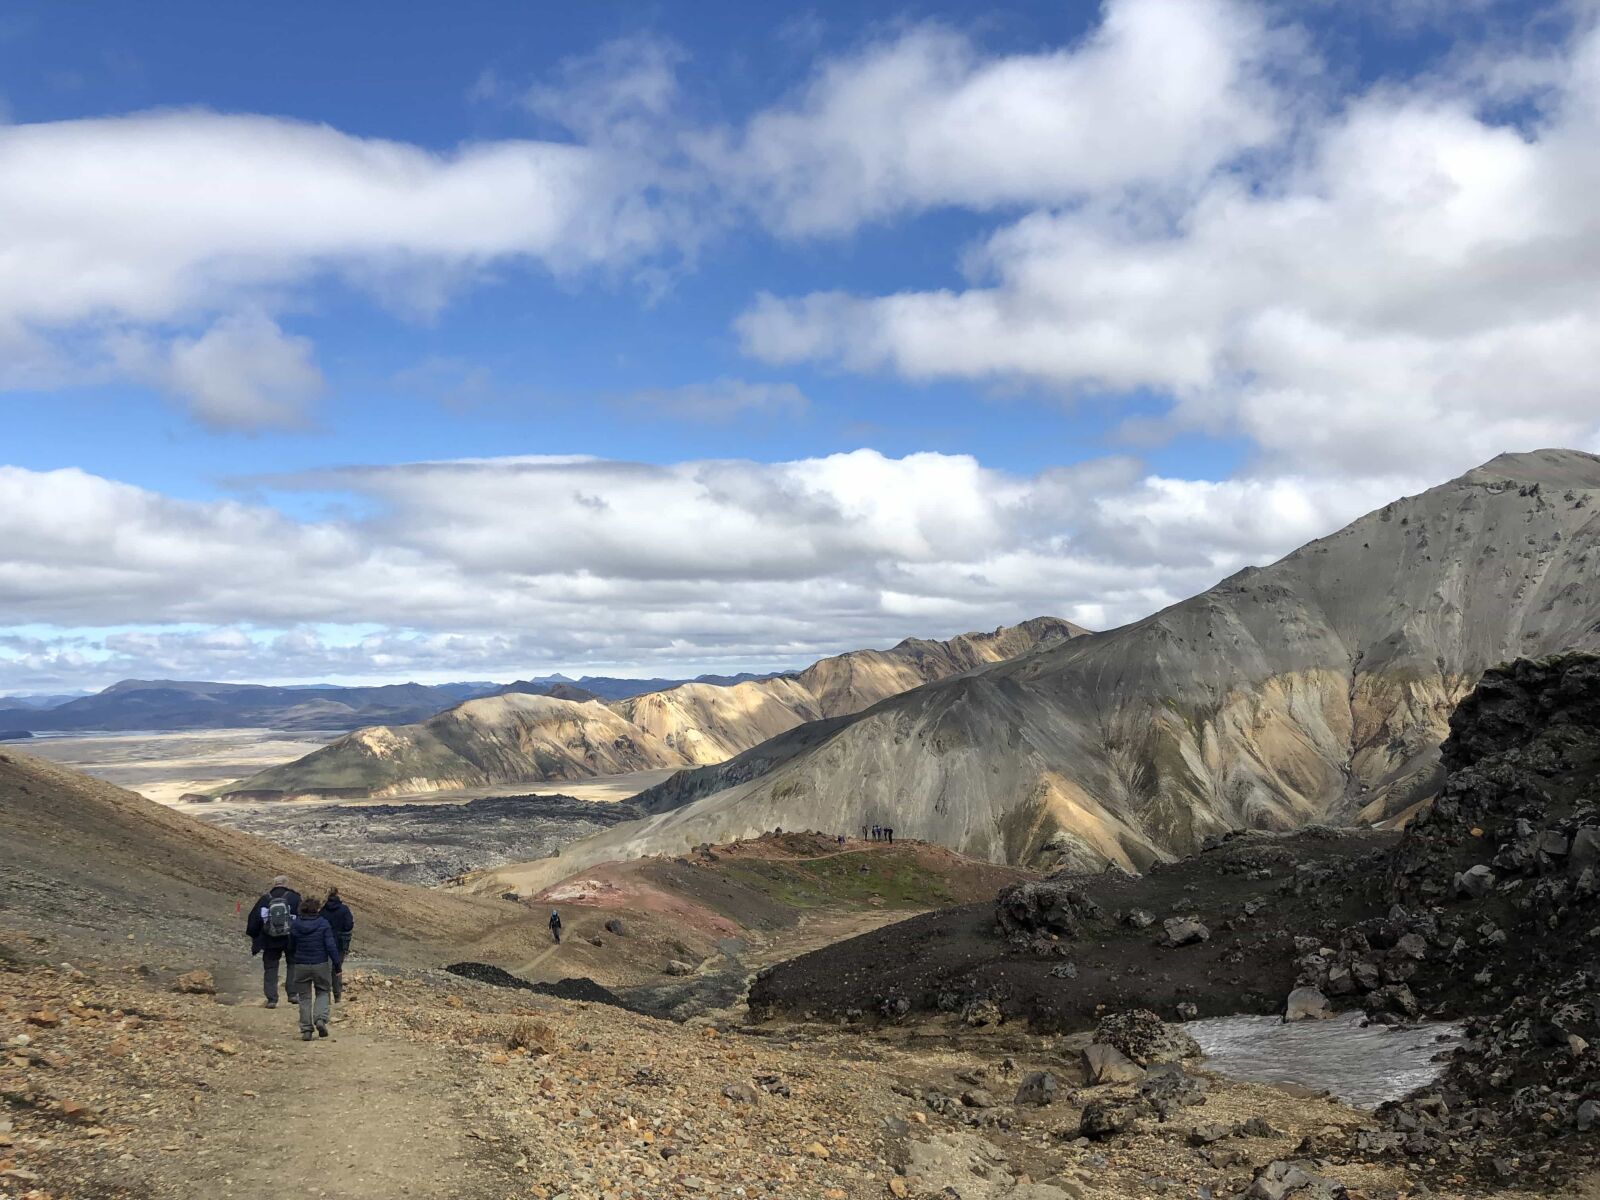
(555, 926)
(316, 962)
(343, 923)
(264, 942)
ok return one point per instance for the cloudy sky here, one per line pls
(358, 342)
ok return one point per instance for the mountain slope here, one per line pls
(514, 739)
(77, 850)
(179, 704)
(1314, 689)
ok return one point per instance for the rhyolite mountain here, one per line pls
(518, 738)
(172, 704)
(1316, 689)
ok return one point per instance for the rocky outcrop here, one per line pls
(1495, 904)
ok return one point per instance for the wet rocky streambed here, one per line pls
(1361, 1065)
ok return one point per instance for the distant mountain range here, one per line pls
(170, 704)
(517, 737)
(1317, 689)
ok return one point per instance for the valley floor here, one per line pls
(431, 1086)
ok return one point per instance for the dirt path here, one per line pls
(356, 1115)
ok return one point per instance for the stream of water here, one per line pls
(1361, 1066)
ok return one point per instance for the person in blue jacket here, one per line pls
(315, 952)
(343, 922)
(338, 915)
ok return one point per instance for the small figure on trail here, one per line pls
(555, 926)
(343, 922)
(268, 928)
(889, 833)
(874, 833)
(316, 963)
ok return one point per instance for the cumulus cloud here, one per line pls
(125, 228)
(1410, 282)
(500, 567)
(1160, 92)
(243, 373)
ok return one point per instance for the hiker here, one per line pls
(342, 921)
(889, 833)
(555, 925)
(268, 928)
(316, 965)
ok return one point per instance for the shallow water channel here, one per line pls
(1361, 1066)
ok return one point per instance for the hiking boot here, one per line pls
(306, 1036)
(272, 1004)
(322, 1030)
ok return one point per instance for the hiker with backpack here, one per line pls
(343, 922)
(269, 927)
(317, 964)
(555, 926)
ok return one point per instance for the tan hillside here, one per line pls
(79, 846)
(517, 738)
(1314, 689)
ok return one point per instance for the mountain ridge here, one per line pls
(501, 739)
(1316, 688)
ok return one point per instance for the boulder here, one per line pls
(1411, 945)
(614, 926)
(195, 983)
(1306, 1004)
(1043, 906)
(1103, 1118)
(1394, 999)
(1585, 851)
(1103, 1063)
(1037, 1089)
(741, 1093)
(1166, 1088)
(1474, 883)
(1183, 931)
(1146, 1038)
(679, 967)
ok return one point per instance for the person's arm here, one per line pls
(331, 944)
(252, 924)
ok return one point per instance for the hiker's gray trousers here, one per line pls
(305, 979)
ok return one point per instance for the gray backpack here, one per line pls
(279, 918)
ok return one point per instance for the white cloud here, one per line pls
(1412, 285)
(1160, 92)
(243, 373)
(499, 567)
(155, 225)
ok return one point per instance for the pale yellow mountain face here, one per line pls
(518, 738)
(1316, 689)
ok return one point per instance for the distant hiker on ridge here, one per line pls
(343, 922)
(316, 965)
(268, 928)
(555, 926)
(889, 833)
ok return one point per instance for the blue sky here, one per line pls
(863, 323)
